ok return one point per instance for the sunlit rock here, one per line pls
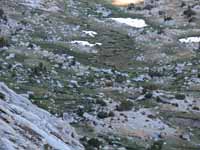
(126, 2)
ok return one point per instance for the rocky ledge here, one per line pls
(25, 126)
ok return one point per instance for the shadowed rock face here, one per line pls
(25, 126)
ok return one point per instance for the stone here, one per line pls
(25, 126)
(185, 137)
(180, 96)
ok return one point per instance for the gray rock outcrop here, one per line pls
(25, 126)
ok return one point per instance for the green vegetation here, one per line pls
(157, 145)
(125, 105)
(180, 96)
(39, 69)
(94, 142)
(103, 114)
(3, 42)
(2, 96)
(1, 13)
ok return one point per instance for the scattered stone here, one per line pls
(109, 83)
(101, 102)
(180, 96)
(151, 116)
(163, 100)
(10, 56)
(175, 104)
(149, 55)
(162, 135)
(102, 115)
(196, 108)
(185, 137)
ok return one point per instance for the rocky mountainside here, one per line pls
(124, 74)
(25, 126)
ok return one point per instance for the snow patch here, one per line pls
(190, 40)
(10, 56)
(85, 43)
(90, 33)
(136, 23)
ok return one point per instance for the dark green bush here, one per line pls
(101, 102)
(148, 95)
(180, 96)
(125, 105)
(103, 114)
(2, 96)
(157, 145)
(94, 142)
(1, 13)
(120, 78)
(39, 69)
(189, 12)
(3, 42)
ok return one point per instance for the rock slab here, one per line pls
(25, 126)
